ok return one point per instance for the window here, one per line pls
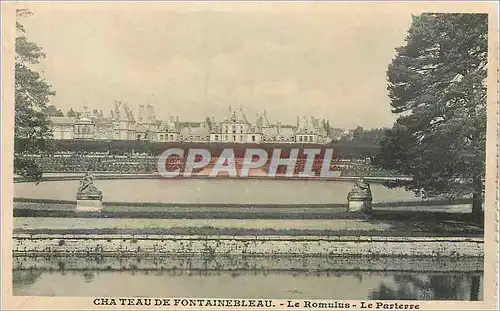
(216, 137)
(300, 138)
(227, 129)
(226, 138)
(241, 129)
(253, 137)
(234, 137)
(171, 137)
(241, 137)
(161, 137)
(234, 129)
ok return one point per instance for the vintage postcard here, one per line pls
(249, 155)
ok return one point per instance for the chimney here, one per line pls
(141, 112)
(153, 115)
(148, 114)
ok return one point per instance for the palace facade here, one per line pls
(121, 124)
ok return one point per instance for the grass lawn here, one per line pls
(376, 226)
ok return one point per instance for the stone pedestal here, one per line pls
(359, 203)
(88, 197)
(359, 198)
(89, 205)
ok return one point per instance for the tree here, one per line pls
(72, 113)
(436, 85)
(367, 137)
(208, 122)
(358, 133)
(32, 132)
(433, 287)
(52, 111)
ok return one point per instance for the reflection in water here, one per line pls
(252, 284)
(433, 287)
(23, 278)
(88, 276)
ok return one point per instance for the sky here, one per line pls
(196, 62)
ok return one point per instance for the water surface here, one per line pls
(346, 285)
(281, 277)
(249, 191)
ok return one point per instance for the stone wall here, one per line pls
(268, 264)
(129, 245)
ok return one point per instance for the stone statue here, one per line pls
(362, 187)
(87, 189)
(360, 197)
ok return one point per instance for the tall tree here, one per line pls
(72, 113)
(436, 85)
(52, 111)
(208, 121)
(358, 132)
(32, 133)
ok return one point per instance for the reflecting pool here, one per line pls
(248, 191)
(279, 278)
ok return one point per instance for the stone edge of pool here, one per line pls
(376, 204)
(133, 245)
(249, 264)
(107, 176)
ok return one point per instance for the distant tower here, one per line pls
(86, 112)
(149, 114)
(141, 113)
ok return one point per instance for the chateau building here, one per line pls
(169, 130)
(235, 128)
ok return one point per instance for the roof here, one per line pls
(269, 131)
(103, 121)
(236, 116)
(83, 120)
(287, 131)
(141, 128)
(199, 131)
(63, 120)
(168, 126)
